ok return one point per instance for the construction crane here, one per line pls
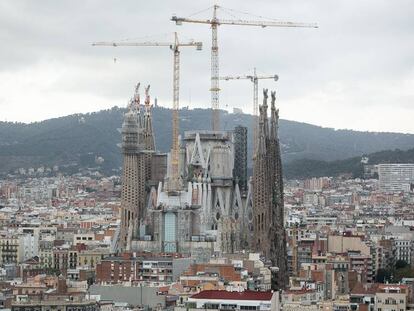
(255, 79)
(215, 22)
(175, 47)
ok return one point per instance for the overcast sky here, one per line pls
(356, 71)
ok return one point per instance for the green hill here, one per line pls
(76, 139)
(305, 168)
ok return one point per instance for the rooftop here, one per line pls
(222, 294)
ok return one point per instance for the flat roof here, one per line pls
(222, 294)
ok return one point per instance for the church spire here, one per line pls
(265, 119)
(268, 209)
(261, 146)
(274, 118)
(137, 98)
(149, 142)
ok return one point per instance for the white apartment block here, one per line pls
(396, 177)
(391, 297)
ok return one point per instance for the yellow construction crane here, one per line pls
(175, 47)
(255, 79)
(215, 22)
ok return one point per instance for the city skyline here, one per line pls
(116, 203)
(354, 72)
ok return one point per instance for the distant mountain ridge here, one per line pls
(306, 168)
(77, 139)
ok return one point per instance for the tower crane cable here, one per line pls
(214, 22)
(254, 78)
(264, 18)
(201, 11)
(164, 34)
(173, 183)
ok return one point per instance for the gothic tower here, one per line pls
(137, 148)
(240, 157)
(268, 208)
(146, 154)
(130, 176)
(261, 178)
(278, 252)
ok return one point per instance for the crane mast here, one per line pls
(174, 182)
(214, 22)
(174, 178)
(215, 87)
(255, 79)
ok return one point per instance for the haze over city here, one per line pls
(355, 71)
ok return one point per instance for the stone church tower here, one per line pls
(268, 206)
(137, 149)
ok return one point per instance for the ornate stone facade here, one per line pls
(268, 208)
(205, 215)
(137, 148)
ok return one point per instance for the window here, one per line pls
(170, 232)
(211, 306)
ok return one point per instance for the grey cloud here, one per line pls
(361, 46)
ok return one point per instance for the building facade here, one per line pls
(138, 147)
(240, 157)
(204, 214)
(396, 177)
